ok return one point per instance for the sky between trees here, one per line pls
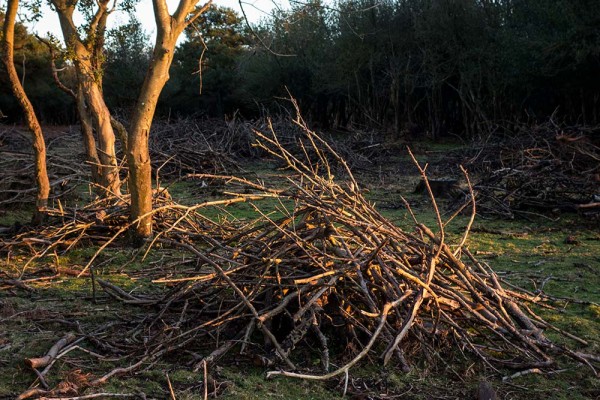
(254, 9)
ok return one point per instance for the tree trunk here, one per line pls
(87, 64)
(39, 146)
(138, 154)
(87, 133)
(87, 130)
(109, 170)
(169, 27)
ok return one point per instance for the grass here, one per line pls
(11, 217)
(531, 254)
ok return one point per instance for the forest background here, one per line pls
(416, 67)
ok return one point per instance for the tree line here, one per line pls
(402, 66)
(435, 66)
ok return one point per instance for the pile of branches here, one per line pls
(65, 165)
(331, 276)
(105, 222)
(359, 148)
(334, 273)
(542, 168)
(214, 146)
(190, 146)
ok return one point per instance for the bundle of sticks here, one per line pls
(334, 273)
(542, 168)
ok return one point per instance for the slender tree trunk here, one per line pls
(87, 130)
(169, 27)
(39, 146)
(101, 119)
(138, 154)
(87, 135)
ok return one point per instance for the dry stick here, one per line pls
(521, 373)
(231, 178)
(171, 391)
(406, 325)
(52, 353)
(205, 369)
(224, 348)
(246, 339)
(435, 208)
(32, 392)
(119, 371)
(384, 314)
(93, 277)
(216, 321)
(545, 324)
(198, 278)
(41, 379)
(72, 346)
(126, 297)
(314, 299)
(313, 136)
(288, 157)
(92, 396)
(473, 213)
(323, 341)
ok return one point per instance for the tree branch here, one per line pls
(161, 15)
(196, 13)
(99, 17)
(57, 80)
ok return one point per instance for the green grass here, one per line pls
(10, 217)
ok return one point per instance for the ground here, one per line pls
(559, 255)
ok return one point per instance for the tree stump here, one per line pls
(445, 187)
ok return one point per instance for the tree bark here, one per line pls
(88, 67)
(87, 136)
(39, 145)
(138, 154)
(169, 27)
(109, 170)
(87, 130)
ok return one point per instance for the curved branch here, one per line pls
(55, 76)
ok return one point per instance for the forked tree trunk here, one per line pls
(89, 78)
(138, 156)
(39, 146)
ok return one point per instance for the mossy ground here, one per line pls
(531, 254)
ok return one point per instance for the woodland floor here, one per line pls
(534, 254)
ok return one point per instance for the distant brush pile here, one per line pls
(65, 162)
(541, 169)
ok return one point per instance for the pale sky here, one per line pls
(255, 10)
